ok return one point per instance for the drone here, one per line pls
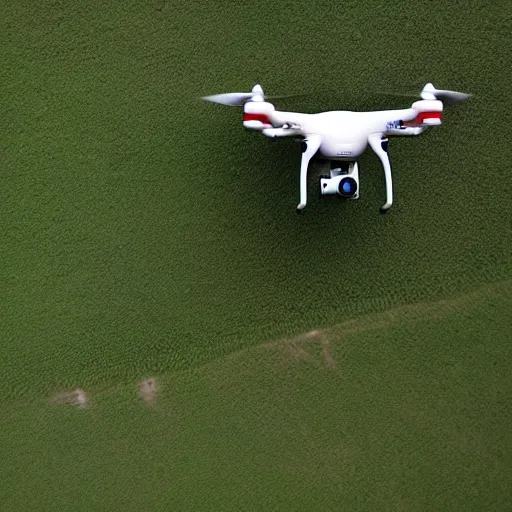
(341, 137)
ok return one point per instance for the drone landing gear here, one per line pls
(309, 146)
(379, 144)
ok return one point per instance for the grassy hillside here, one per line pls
(145, 233)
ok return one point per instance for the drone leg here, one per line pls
(379, 144)
(309, 147)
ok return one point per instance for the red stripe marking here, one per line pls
(422, 116)
(257, 117)
(428, 115)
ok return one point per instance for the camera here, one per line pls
(342, 182)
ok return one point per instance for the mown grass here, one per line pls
(145, 233)
(403, 410)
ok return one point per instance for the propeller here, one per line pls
(429, 92)
(237, 99)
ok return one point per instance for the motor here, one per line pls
(342, 182)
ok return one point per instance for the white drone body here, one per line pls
(341, 135)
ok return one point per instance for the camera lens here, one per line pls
(347, 187)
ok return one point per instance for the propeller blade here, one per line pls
(232, 99)
(283, 96)
(237, 99)
(429, 92)
(451, 97)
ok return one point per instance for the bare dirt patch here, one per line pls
(76, 397)
(301, 346)
(148, 389)
(297, 352)
(315, 333)
(313, 346)
(327, 354)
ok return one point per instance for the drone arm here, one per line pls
(309, 147)
(405, 131)
(284, 131)
(379, 144)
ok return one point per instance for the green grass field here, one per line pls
(338, 360)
